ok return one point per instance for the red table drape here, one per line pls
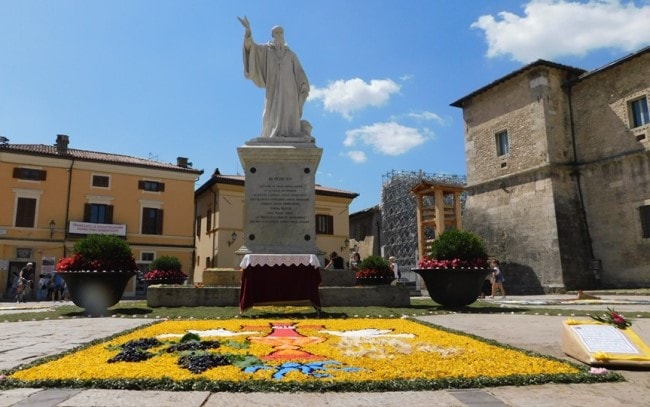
(264, 284)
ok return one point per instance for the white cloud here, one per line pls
(346, 97)
(387, 138)
(426, 116)
(357, 156)
(555, 28)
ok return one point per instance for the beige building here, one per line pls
(558, 173)
(220, 219)
(53, 195)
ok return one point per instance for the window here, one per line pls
(25, 212)
(147, 256)
(502, 143)
(198, 226)
(208, 222)
(101, 181)
(98, 213)
(324, 224)
(29, 174)
(639, 112)
(152, 221)
(151, 186)
(644, 211)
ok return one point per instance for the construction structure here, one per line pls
(399, 229)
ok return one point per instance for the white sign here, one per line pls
(86, 228)
(604, 338)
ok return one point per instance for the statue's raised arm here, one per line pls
(247, 33)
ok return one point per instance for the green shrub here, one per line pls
(99, 252)
(166, 263)
(374, 263)
(458, 244)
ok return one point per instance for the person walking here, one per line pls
(25, 283)
(394, 267)
(498, 279)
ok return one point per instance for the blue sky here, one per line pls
(161, 79)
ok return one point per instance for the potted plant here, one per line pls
(374, 270)
(165, 270)
(455, 271)
(98, 272)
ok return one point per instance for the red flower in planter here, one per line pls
(165, 275)
(431, 263)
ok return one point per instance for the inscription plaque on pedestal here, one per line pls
(280, 198)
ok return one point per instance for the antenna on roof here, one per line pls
(153, 157)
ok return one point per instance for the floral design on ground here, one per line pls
(308, 354)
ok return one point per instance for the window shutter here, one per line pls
(109, 213)
(26, 212)
(140, 184)
(42, 175)
(161, 186)
(159, 222)
(16, 172)
(87, 208)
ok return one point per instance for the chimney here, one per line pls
(182, 162)
(62, 143)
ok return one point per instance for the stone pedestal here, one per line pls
(280, 197)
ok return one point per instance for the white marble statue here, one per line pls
(276, 68)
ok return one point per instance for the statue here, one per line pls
(276, 68)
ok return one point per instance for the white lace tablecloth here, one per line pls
(279, 260)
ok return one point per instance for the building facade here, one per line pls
(220, 220)
(558, 174)
(54, 195)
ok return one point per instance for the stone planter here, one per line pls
(173, 281)
(96, 291)
(380, 280)
(454, 287)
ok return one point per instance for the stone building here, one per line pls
(558, 174)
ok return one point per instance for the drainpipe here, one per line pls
(67, 207)
(212, 213)
(595, 264)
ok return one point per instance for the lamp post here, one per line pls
(52, 226)
(233, 237)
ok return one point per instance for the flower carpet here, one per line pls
(296, 355)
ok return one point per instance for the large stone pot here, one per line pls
(454, 287)
(170, 281)
(376, 280)
(96, 291)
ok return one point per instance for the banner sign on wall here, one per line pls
(86, 228)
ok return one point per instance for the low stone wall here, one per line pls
(337, 278)
(367, 296)
(221, 277)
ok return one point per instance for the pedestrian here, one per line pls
(25, 283)
(498, 279)
(336, 262)
(356, 260)
(394, 267)
(41, 292)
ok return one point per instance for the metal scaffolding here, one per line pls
(399, 212)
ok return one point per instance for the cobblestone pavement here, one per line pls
(22, 342)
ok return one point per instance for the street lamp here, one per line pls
(233, 237)
(52, 226)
